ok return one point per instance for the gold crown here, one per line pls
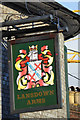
(33, 47)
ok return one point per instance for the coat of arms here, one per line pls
(35, 69)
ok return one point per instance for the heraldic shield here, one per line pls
(35, 69)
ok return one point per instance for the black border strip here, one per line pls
(58, 78)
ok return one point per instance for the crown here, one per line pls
(33, 47)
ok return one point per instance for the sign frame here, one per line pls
(57, 70)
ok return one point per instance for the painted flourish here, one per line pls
(34, 69)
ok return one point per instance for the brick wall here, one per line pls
(5, 87)
(4, 74)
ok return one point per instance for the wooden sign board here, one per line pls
(35, 73)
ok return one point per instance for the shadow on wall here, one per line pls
(74, 95)
(5, 88)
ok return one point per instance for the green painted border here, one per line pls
(66, 80)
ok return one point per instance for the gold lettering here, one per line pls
(40, 93)
(38, 100)
(28, 102)
(23, 96)
(33, 102)
(43, 100)
(51, 92)
(18, 97)
(36, 94)
(45, 93)
(31, 95)
(27, 96)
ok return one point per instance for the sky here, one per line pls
(73, 68)
(61, 1)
